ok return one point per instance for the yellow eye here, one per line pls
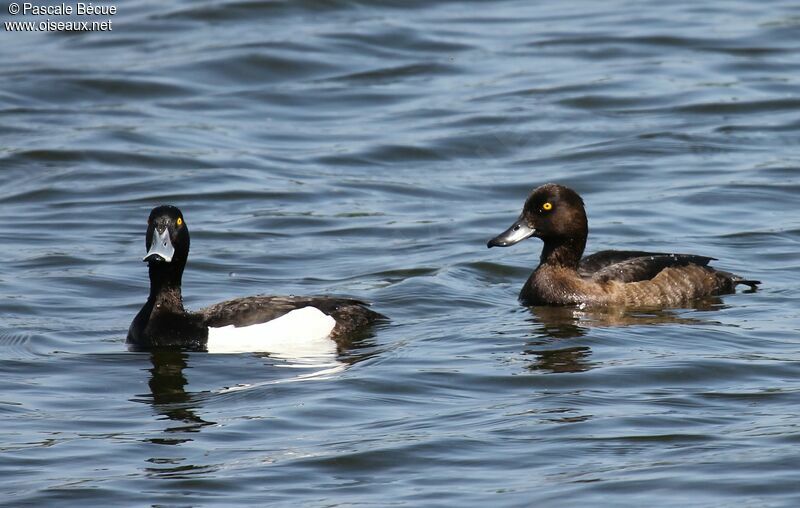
(547, 206)
(179, 222)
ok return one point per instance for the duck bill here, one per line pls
(515, 234)
(161, 248)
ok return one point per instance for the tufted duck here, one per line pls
(556, 214)
(242, 324)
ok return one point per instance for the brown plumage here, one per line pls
(556, 214)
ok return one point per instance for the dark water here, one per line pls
(370, 149)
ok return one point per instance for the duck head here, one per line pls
(553, 213)
(167, 242)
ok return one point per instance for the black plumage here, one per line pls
(164, 322)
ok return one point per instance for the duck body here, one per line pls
(163, 322)
(556, 214)
(643, 280)
(254, 323)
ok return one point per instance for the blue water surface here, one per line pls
(370, 149)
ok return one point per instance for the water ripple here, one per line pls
(370, 149)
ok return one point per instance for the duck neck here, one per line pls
(564, 253)
(165, 286)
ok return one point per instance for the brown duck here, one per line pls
(556, 214)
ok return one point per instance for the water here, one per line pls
(370, 149)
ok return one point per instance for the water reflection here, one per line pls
(169, 395)
(173, 468)
(571, 359)
(553, 324)
(568, 322)
(168, 382)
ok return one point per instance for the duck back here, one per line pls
(350, 314)
(638, 282)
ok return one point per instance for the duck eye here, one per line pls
(547, 206)
(179, 222)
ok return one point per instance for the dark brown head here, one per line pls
(555, 214)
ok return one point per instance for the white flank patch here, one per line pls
(299, 334)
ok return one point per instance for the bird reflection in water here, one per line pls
(554, 324)
(169, 395)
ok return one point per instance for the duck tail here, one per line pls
(729, 281)
(747, 282)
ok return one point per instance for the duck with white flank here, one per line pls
(244, 324)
